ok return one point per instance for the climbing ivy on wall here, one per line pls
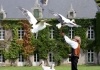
(57, 45)
(17, 45)
(44, 44)
(28, 48)
(97, 33)
(82, 31)
(13, 51)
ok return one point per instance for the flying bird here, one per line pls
(32, 20)
(41, 25)
(64, 21)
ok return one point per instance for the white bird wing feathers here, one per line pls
(64, 21)
(37, 27)
(28, 15)
(32, 20)
(68, 22)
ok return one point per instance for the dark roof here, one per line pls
(83, 8)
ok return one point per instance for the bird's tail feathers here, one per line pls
(58, 25)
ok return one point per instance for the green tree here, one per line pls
(13, 52)
(97, 36)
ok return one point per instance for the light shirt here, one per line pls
(72, 43)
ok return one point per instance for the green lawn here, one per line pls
(57, 68)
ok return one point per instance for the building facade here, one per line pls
(86, 9)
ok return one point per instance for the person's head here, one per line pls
(77, 39)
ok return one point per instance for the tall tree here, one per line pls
(97, 35)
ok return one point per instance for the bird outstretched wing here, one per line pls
(64, 21)
(28, 15)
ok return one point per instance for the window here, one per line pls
(51, 58)
(71, 14)
(1, 56)
(51, 33)
(71, 32)
(2, 33)
(36, 13)
(37, 10)
(20, 33)
(90, 32)
(21, 58)
(36, 57)
(90, 55)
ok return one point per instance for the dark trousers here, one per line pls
(74, 61)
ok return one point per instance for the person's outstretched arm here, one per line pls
(72, 43)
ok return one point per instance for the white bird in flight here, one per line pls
(40, 26)
(64, 21)
(32, 20)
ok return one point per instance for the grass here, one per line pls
(57, 68)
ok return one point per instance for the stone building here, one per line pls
(69, 8)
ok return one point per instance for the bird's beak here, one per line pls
(48, 24)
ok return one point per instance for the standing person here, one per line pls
(75, 52)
